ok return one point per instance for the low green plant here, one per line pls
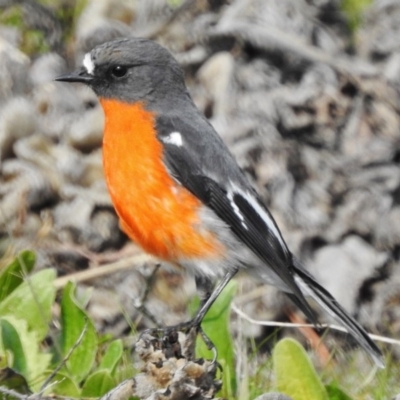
(354, 9)
(296, 376)
(72, 363)
(75, 361)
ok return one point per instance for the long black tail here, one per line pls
(312, 288)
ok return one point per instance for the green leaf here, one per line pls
(62, 385)
(31, 301)
(74, 321)
(295, 375)
(112, 356)
(98, 384)
(216, 326)
(125, 369)
(335, 393)
(11, 341)
(13, 274)
(13, 380)
(27, 359)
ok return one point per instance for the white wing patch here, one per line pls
(88, 63)
(174, 138)
(236, 209)
(260, 211)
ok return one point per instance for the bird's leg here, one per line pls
(204, 288)
(139, 304)
(207, 299)
(169, 333)
(207, 303)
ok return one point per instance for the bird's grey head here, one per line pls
(130, 70)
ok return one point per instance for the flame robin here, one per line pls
(177, 189)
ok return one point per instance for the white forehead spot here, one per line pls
(88, 63)
(174, 138)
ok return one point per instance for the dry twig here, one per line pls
(243, 315)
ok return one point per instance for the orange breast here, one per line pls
(155, 211)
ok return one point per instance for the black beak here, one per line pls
(80, 75)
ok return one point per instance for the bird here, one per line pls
(178, 191)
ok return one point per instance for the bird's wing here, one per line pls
(197, 158)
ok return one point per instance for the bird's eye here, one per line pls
(119, 71)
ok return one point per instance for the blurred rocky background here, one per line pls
(306, 93)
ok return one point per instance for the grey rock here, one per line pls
(342, 269)
(11, 34)
(14, 67)
(47, 67)
(18, 119)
